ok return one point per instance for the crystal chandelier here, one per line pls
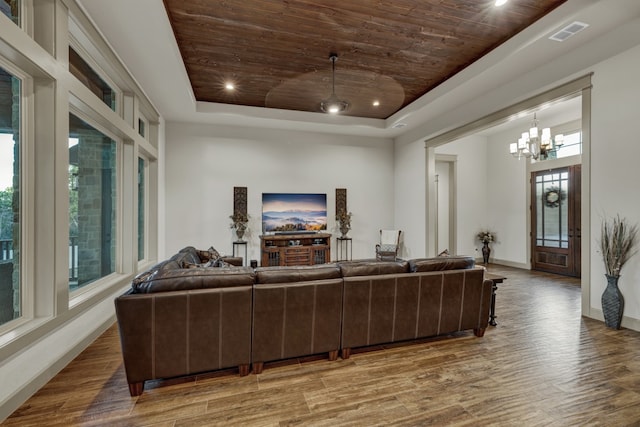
(536, 144)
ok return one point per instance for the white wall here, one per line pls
(471, 195)
(205, 162)
(410, 205)
(615, 114)
(443, 171)
(507, 199)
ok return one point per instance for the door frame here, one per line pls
(546, 165)
(581, 86)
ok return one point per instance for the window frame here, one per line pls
(143, 261)
(37, 53)
(23, 22)
(27, 200)
(95, 66)
(143, 130)
(579, 144)
(89, 288)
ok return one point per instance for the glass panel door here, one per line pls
(552, 211)
(555, 221)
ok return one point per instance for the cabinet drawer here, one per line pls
(296, 250)
(298, 256)
(305, 255)
(295, 262)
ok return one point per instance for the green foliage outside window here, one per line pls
(6, 214)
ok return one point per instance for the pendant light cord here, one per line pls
(333, 67)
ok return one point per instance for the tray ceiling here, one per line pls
(276, 53)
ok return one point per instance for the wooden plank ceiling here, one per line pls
(276, 52)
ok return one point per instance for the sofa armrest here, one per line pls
(183, 279)
(169, 334)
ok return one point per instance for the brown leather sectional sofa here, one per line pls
(179, 321)
(385, 302)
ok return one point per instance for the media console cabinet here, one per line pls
(295, 249)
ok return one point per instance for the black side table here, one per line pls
(237, 250)
(495, 278)
(344, 251)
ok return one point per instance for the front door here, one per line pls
(555, 221)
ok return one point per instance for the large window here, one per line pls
(572, 145)
(11, 8)
(10, 215)
(83, 72)
(142, 125)
(92, 203)
(51, 265)
(68, 152)
(141, 207)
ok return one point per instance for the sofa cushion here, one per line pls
(373, 268)
(183, 258)
(208, 254)
(442, 263)
(177, 279)
(297, 273)
(189, 249)
(203, 255)
(211, 263)
(219, 262)
(164, 265)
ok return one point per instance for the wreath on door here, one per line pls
(553, 196)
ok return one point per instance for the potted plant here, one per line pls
(486, 237)
(617, 244)
(344, 220)
(239, 223)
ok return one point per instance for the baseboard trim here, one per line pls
(627, 322)
(524, 266)
(45, 373)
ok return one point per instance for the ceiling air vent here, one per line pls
(568, 31)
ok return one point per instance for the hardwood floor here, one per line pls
(542, 365)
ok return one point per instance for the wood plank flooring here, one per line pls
(543, 365)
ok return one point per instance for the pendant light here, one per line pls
(333, 105)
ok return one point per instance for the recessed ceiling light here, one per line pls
(229, 86)
(500, 2)
(376, 103)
